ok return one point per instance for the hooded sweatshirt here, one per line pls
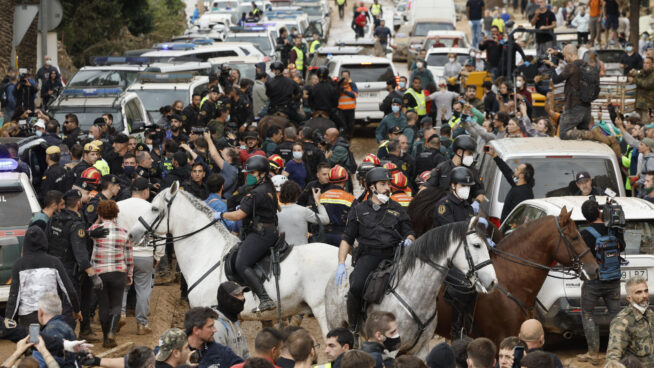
(37, 273)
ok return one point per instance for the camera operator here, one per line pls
(605, 239)
(25, 92)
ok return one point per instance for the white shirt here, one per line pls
(294, 221)
(581, 22)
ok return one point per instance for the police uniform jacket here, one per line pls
(241, 110)
(190, 116)
(54, 178)
(207, 112)
(71, 137)
(180, 173)
(280, 91)
(261, 202)
(285, 150)
(632, 333)
(440, 178)
(324, 96)
(198, 190)
(79, 168)
(451, 209)
(377, 229)
(91, 210)
(428, 159)
(67, 240)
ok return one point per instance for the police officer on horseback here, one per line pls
(380, 225)
(283, 93)
(258, 212)
(454, 207)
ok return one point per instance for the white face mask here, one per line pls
(640, 309)
(297, 155)
(420, 65)
(452, 60)
(467, 161)
(518, 84)
(48, 62)
(463, 193)
(383, 198)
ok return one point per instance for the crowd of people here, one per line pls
(274, 156)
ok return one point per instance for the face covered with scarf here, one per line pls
(231, 299)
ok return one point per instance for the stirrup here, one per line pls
(264, 305)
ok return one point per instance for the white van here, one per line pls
(176, 52)
(370, 75)
(556, 162)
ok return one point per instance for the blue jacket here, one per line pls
(58, 328)
(387, 123)
(217, 204)
(214, 354)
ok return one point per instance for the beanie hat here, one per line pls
(441, 356)
(35, 239)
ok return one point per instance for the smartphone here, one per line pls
(34, 333)
(518, 353)
(194, 358)
(486, 148)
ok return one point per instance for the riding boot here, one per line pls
(353, 310)
(265, 303)
(457, 324)
(112, 326)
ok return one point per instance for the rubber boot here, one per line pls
(353, 310)
(265, 303)
(110, 337)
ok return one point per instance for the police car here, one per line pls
(558, 305)
(108, 72)
(370, 75)
(158, 89)
(185, 52)
(245, 64)
(257, 35)
(18, 203)
(316, 11)
(88, 104)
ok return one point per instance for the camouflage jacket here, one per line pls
(644, 89)
(632, 333)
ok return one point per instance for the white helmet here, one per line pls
(278, 180)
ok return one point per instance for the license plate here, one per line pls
(627, 274)
(368, 94)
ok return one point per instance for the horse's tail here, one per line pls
(421, 209)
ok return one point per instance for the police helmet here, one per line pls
(364, 168)
(462, 175)
(277, 65)
(464, 142)
(377, 174)
(256, 163)
(323, 72)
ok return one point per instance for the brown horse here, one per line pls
(522, 261)
(270, 120)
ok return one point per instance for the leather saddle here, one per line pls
(263, 268)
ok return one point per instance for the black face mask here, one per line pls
(392, 343)
(178, 112)
(229, 305)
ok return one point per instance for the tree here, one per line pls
(634, 12)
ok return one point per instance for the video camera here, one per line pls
(612, 213)
(198, 130)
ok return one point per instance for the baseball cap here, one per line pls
(142, 147)
(396, 130)
(582, 175)
(98, 143)
(649, 126)
(72, 193)
(214, 89)
(52, 150)
(40, 124)
(250, 135)
(396, 100)
(233, 288)
(121, 138)
(140, 184)
(172, 339)
(90, 147)
(110, 178)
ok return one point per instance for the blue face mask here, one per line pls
(515, 180)
(395, 109)
(629, 49)
(38, 133)
(401, 84)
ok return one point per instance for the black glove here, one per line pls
(99, 232)
(88, 359)
(97, 282)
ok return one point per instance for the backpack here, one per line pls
(361, 20)
(351, 165)
(589, 83)
(607, 254)
(58, 234)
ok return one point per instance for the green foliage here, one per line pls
(110, 27)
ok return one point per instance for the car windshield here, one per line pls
(369, 72)
(89, 115)
(103, 78)
(247, 70)
(153, 99)
(260, 41)
(554, 176)
(442, 59)
(14, 208)
(638, 236)
(224, 5)
(312, 11)
(448, 42)
(422, 29)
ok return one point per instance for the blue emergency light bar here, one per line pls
(164, 77)
(284, 12)
(92, 91)
(8, 164)
(236, 29)
(281, 16)
(202, 41)
(174, 46)
(109, 60)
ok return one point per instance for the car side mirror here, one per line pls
(138, 126)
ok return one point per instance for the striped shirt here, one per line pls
(113, 252)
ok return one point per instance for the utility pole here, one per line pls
(43, 22)
(634, 13)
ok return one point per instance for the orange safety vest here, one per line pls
(402, 198)
(346, 102)
(337, 196)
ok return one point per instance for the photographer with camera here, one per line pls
(604, 238)
(25, 92)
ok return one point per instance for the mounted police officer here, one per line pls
(464, 148)
(324, 96)
(380, 225)
(454, 207)
(259, 214)
(282, 93)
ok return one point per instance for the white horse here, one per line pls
(418, 280)
(304, 273)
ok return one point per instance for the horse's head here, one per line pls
(472, 258)
(151, 222)
(571, 250)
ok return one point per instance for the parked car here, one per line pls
(558, 305)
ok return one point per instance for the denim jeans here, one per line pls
(476, 32)
(591, 293)
(143, 271)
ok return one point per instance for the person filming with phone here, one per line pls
(521, 180)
